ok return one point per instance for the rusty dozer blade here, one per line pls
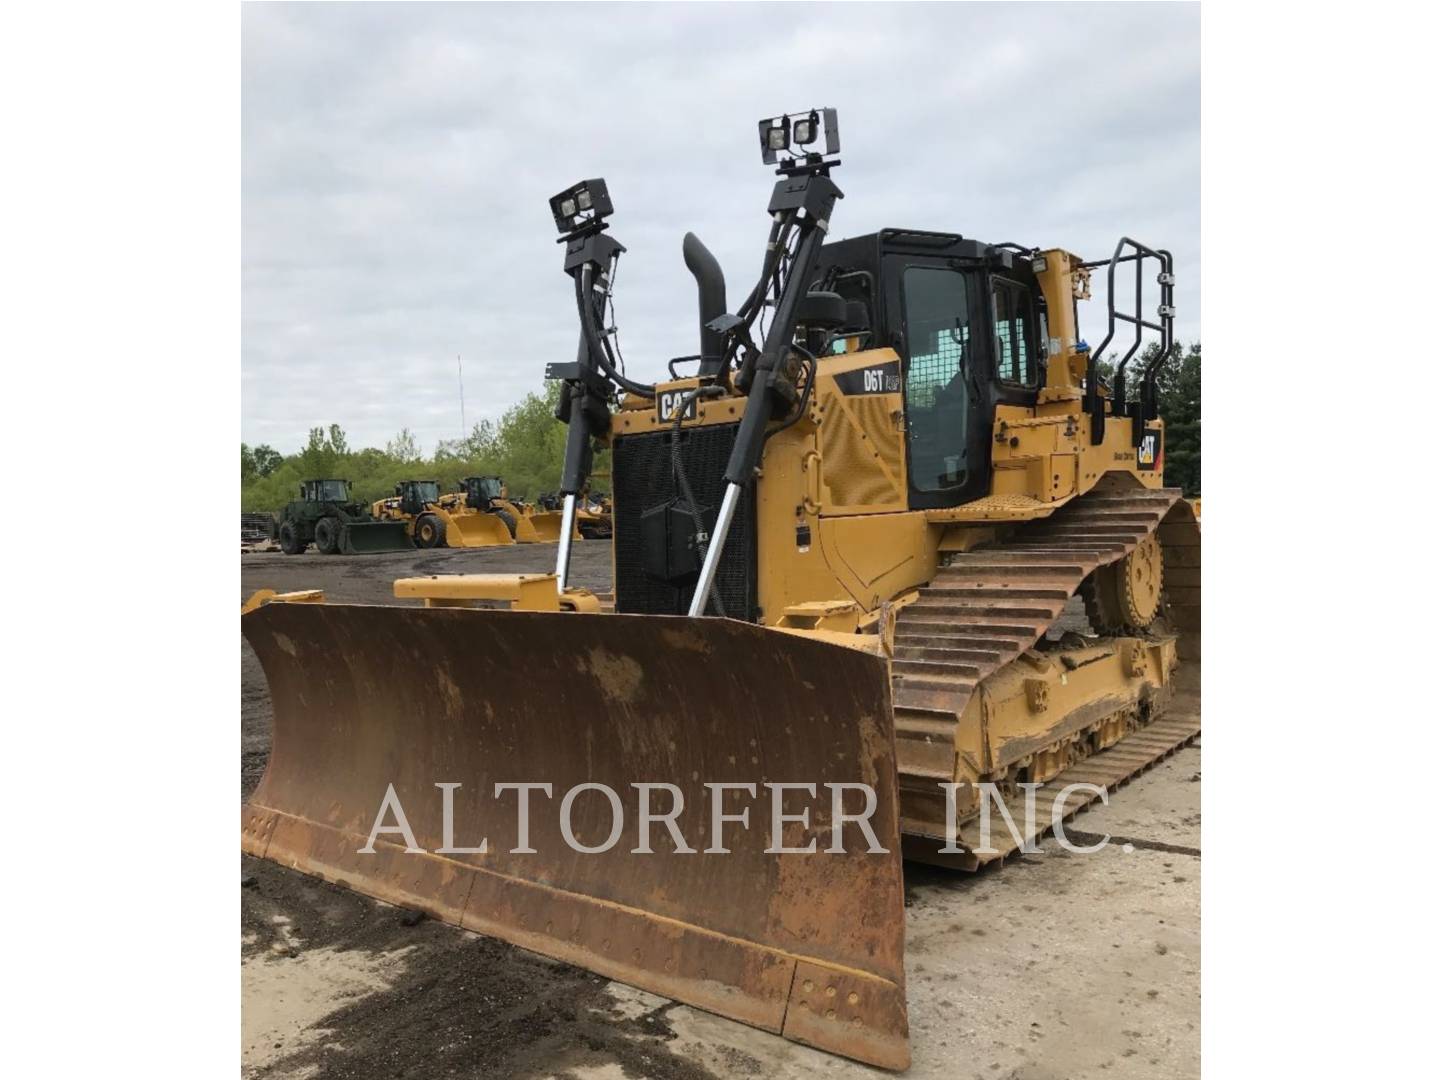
(807, 945)
(362, 537)
(476, 530)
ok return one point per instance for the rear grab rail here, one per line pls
(1145, 407)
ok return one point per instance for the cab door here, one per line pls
(947, 401)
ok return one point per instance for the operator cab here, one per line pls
(968, 322)
(417, 495)
(481, 491)
(335, 491)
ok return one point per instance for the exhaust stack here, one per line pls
(710, 281)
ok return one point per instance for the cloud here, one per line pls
(397, 160)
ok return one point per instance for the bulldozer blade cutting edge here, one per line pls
(477, 530)
(362, 537)
(806, 945)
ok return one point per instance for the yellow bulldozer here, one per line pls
(841, 550)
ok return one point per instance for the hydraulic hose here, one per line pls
(596, 343)
(750, 309)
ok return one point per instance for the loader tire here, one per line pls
(429, 532)
(327, 536)
(509, 520)
(290, 542)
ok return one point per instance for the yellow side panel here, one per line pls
(861, 448)
(878, 556)
(861, 434)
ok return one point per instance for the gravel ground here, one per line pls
(1055, 967)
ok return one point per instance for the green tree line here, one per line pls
(527, 447)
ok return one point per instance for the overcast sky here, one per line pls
(397, 160)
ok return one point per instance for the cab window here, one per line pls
(1014, 334)
(937, 338)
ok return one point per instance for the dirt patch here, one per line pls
(336, 985)
(288, 996)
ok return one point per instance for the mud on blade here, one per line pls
(806, 945)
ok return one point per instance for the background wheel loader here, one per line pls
(481, 495)
(435, 520)
(841, 547)
(326, 516)
(593, 521)
(592, 513)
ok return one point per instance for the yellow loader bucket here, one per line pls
(546, 525)
(476, 530)
(386, 709)
(525, 531)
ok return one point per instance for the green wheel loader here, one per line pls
(326, 516)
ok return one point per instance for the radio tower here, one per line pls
(460, 372)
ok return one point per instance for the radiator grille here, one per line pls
(643, 478)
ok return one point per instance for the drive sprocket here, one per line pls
(1124, 597)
